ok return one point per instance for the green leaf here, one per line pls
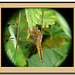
(61, 61)
(50, 59)
(19, 59)
(11, 45)
(34, 16)
(63, 23)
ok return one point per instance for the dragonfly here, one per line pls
(37, 34)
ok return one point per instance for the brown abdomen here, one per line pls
(39, 50)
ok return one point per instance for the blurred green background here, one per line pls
(55, 43)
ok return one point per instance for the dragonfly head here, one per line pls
(35, 28)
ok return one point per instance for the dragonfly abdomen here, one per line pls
(39, 50)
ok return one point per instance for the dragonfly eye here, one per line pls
(35, 28)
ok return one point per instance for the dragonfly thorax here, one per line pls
(37, 33)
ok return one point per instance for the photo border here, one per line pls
(37, 69)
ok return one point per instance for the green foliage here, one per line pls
(57, 38)
(34, 16)
(50, 59)
(63, 24)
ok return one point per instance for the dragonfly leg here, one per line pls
(42, 22)
(28, 31)
(43, 30)
(30, 40)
